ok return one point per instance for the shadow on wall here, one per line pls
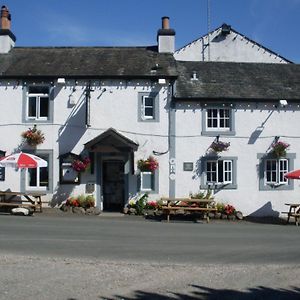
(68, 136)
(74, 128)
(206, 293)
(265, 211)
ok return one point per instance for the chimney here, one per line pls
(7, 38)
(166, 37)
(5, 18)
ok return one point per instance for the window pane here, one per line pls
(271, 171)
(32, 107)
(44, 106)
(146, 181)
(148, 101)
(148, 112)
(220, 171)
(44, 176)
(211, 171)
(32, 177)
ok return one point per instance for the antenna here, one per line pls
(208, 29)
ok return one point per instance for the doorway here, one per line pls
(113, 185)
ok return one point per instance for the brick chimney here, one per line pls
(7, 38)
(166, 37)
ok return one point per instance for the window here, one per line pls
(147, 179)
(219, 171)
(275, 170)
(217, 120)
(149, 182)
(148, 107)
(37, 103)
(38, 178)
(272, 170)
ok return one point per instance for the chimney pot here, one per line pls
(5, 18)
(165, 23)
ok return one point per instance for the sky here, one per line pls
(273, 23)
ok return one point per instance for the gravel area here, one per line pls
(23, 277)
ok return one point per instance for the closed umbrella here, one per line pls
(23, 160)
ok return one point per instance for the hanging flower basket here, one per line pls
(279, 149)
(33, 136)
(148, 165)
(81, 164)
(218, 146)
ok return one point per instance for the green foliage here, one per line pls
(201, 195)
(140, 204)
(220, 207)
(84, 201)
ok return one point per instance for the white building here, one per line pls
(117, 105)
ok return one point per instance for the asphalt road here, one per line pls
(135, 239)
(64, 257)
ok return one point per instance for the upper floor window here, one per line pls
(38, 103)
(148, 107)
(218, 120)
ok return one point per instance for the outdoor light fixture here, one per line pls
(162, 81)
(283, 102)
(61, 80)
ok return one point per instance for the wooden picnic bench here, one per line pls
(188, 205)
(18, 199)
(294, 212)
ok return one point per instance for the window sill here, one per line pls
(215, 132)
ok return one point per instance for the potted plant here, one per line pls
(279, 149)
(148, 165)
(219, 146)
(33, 136)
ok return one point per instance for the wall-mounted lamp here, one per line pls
(162, 81)
(61, 80)
(283, 102)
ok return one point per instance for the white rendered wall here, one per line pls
(116, 108)
(191, 146)
(232, 47)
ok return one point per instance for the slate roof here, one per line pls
(227, 80)
(94, 62)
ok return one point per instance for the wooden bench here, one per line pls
(32, 200)
(294, 212)
(190, 205)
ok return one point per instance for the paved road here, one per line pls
(54, 257)
(134, 239)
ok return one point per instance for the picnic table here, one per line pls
(188, 205)
(294, 211)
(19, 199)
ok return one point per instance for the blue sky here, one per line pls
(273, 23)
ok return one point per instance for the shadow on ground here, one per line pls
(204, 293)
